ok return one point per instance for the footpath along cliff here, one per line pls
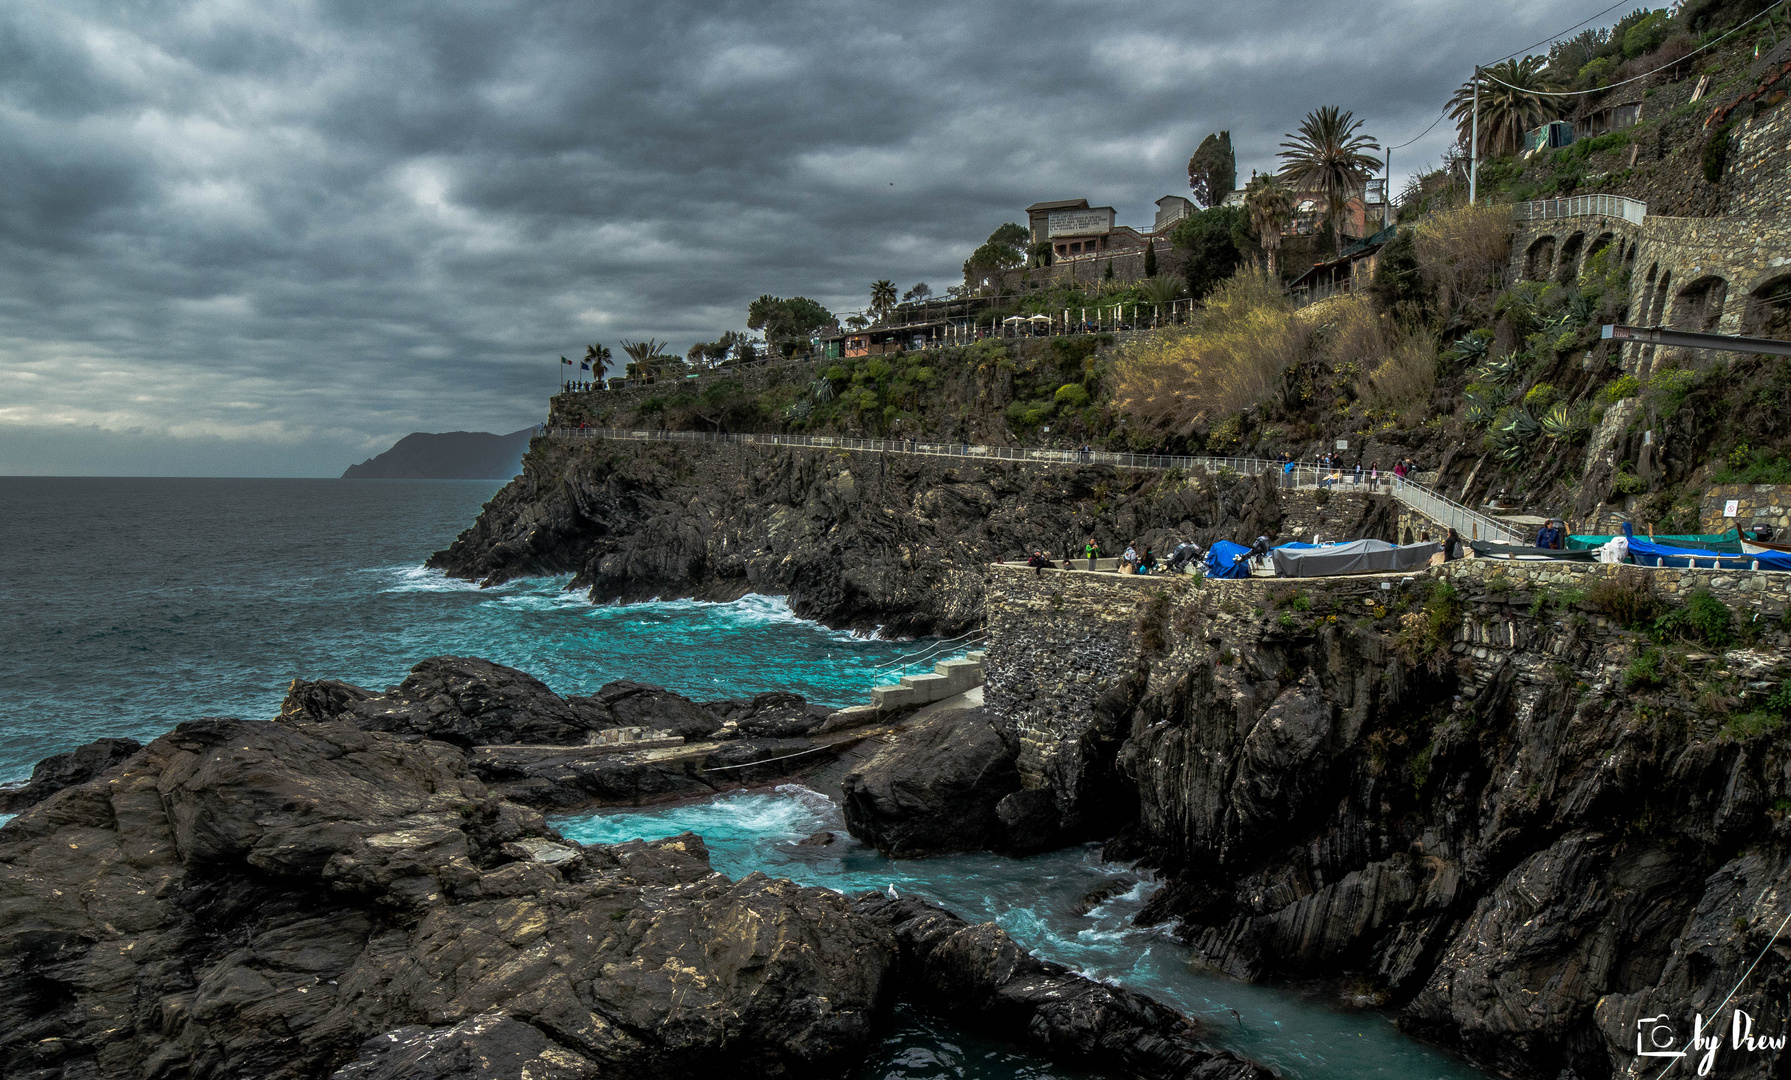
(1522, 808)
(855, 540)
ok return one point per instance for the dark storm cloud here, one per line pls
(273, 236)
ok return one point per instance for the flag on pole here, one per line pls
(585, 366)
(565, 361)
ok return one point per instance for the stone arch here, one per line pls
(1662, 289)
(1539, 259)
(1700, 304)
(1768, 311)
(1568, 266)
(1600, 242)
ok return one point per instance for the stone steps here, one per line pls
(949, 678)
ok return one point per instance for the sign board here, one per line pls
(1095, 222)
(1731, 508)
(1343, 444)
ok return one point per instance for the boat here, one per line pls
(1517, 553)
(1761, 547)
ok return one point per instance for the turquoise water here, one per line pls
(1032, 899)
(128, 605)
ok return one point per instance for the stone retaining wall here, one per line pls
(1759, 504)
(1066, 649)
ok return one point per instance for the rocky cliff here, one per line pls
(1475, 798)
(853, 539)
(342, 897)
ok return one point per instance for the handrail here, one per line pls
(1446, 512)
(1617, 206)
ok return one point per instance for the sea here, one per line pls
(130, 605)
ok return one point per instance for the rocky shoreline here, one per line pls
(341, 894)
(857, 541)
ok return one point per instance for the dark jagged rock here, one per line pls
(264, 899)
(632, 704)
(858, 540)
(59, 771)
(1458, 801)
(490, 1046)
(977, 973)
(309, 899)
(774, 715)
(462, 700)
(935, 788)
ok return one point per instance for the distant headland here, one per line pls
(449, 455)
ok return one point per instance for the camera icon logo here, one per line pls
(1655, 1037)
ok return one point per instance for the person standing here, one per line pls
(1092, 550)
(1451, 546)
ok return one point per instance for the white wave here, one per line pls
(421, 579)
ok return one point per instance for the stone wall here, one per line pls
(1066, 649)
(1066, 653)
(1759, 504)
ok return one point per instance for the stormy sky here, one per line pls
(269, 237)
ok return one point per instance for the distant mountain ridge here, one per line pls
(448, 455)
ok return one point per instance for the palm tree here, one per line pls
(1328, 156)
(1271, 208)
(646, 355)
(883, 297)
(1506, 112)
(598, 356)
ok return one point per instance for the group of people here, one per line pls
(572, 386)
(1131, 562)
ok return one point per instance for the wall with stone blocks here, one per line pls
(1757, 504)
(1060, 641)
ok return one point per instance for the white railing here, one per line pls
(1446, 512)
(1617, 206)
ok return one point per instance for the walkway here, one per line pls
(1445, 512)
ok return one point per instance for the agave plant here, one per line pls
(821, 390)
(1501, 370)
(1479, 411)
(1471, 349)
(1557, 423)
(800, 410)
(1512, 435)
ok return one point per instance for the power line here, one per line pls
(1506, 57)
(1426, 131)
(1563, 33)
(1581, 93)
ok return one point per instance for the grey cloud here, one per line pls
(296, 231)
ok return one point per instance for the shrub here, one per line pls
(1463, 254)
(1425, 634)
(1229, 360)
(1626, 386)
(1704, 619)
(1540, 397)
(1646, 671)
(1716, 154)
(1668, 390)
(1627, 597)
(1072, 395)
(1647, 33)
(1402, 383)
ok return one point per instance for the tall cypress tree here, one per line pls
(1213, 170)
(1150, 259)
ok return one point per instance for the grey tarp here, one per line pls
(1355, 557)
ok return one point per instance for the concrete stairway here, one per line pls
(949, 678)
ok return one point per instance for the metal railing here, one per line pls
(1617, 206)
(1446, 512)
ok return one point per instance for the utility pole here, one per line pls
(1474, 142)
